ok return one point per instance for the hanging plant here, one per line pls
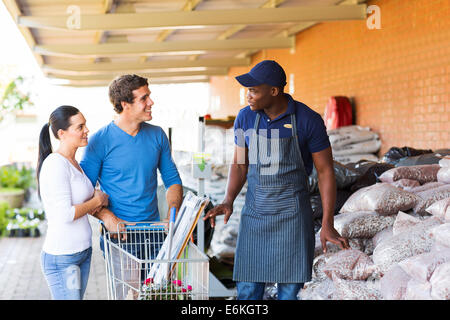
(14, 97)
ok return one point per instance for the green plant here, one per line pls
(3, 218)
(13, 178)
(14, 97)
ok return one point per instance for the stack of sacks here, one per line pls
(427, 182)
(393, 255)
(354, 143)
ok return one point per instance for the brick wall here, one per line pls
(398, 75)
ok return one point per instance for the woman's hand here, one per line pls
(102, 198)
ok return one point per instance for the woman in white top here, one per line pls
(67, 196)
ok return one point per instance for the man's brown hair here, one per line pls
(121, 89)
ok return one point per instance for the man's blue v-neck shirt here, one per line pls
(126, 168)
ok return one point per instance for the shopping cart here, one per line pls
(129, 262)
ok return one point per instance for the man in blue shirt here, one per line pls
(277, 141)
(124, 157)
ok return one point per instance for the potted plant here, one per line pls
(14, 183)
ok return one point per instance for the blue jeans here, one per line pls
(67, 275)
(255, 290)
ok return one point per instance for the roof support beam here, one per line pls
(153, 75)
(189, 19)
(144, 48)
(149, 66)
(153, 81)
(15, 12)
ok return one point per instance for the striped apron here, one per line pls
(276, 235)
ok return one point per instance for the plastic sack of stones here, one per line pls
(441, 235)
(383, 198)
(440, 209)
(355, 290)
(418, 290)
(428, 197)
(403, 222)
(355, 243)
(382, 235)
(370, 146)
(318, 290)
(350, 134)
(349, 264)
(364, 224)
(440, 282)
(394, 283)
(422, 173)
(406, 184)
(445, 162)
(443, 175)
(401, 246)
(426, 186)
(422, 266)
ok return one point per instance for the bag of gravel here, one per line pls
(440, 209)
(383, 198)
(440, 282)
(443, 175)
(422, 266)
(355, 290)
(394, 283)
(405, 244)
(422, 173)
(428, 197)
(349, 264)
(363, 224)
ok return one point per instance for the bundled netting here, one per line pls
(421, 173)
(394, 283)
(428, 197)
(383, 198)
(363, 224)
(414, 241)
(440, 209)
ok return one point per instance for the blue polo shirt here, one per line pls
(311, 130)
(126, 168)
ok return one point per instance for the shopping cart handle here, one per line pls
(173, 212)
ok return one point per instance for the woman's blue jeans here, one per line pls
(255, 290)
(67, 275)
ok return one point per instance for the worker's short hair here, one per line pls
(121, 89)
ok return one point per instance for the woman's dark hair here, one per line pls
(59, 119)
(121, 89)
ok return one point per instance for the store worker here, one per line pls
(277, 142)
(124, 157)
(67, 196)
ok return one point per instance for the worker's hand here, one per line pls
(329, 233)
(223, 208)
(116, 226)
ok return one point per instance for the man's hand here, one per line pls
(330, 234)
(223, 208)
(116, 226)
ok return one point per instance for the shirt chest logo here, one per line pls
(288, 125)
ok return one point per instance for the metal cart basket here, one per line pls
(129, 263)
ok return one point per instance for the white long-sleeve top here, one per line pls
(62, 186)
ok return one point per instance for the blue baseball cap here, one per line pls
(266, 72)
